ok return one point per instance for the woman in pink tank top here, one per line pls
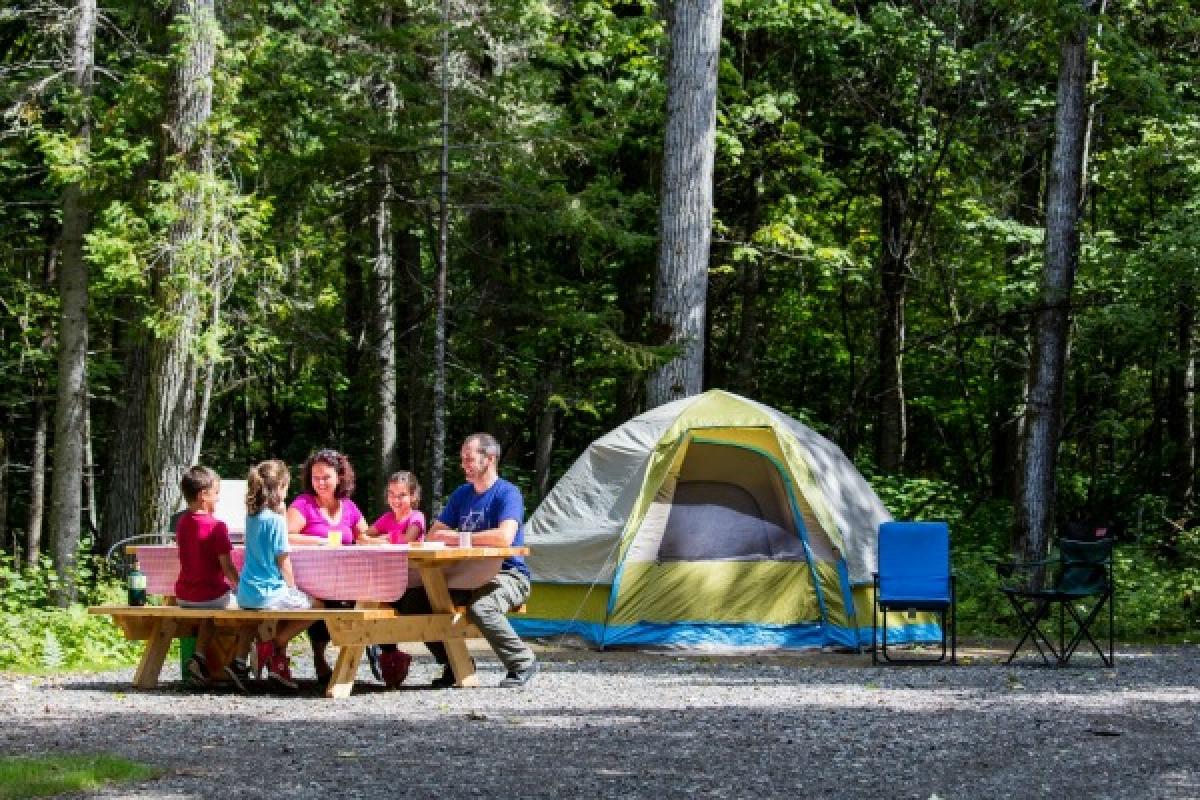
(324, 505)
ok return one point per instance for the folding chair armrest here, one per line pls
(1016, 573)
(1015, 565)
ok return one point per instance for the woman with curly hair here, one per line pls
(323, 507)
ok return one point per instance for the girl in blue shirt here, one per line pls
(266, 580)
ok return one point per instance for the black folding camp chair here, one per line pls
(1080, 583)
(914, 575)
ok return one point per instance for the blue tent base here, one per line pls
(715, 636)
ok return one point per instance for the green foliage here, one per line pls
(46, 776)
(556, 130)
(35, 636)
(50, 640)
(1158, 580)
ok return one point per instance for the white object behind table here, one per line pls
(231, 508)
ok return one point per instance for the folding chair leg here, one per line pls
(1040, 638)
(876, 634)
(883, 636)
(1062, 633)
(1030, 627)
(1083, 631)
(1112, 617)
(943, 615)
(1030, 617)
(954, 620)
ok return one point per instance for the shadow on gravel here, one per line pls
(659, 726)
(737, 751)
(1145, 666)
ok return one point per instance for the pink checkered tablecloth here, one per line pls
(377, 573)
(350, 573)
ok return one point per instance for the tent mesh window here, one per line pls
(731, 504)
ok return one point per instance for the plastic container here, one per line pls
(137, 586)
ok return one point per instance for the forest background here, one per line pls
(243, 208)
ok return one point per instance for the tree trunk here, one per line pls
(1009, 370)
(383, 331)
(41, 421)
(383, 302)
(685, 222)
(89, 470)
(751, 287)
(1043, 413)
(66, 495)
(544, 447)
(4, 478)
(122, 513)
(892, 438)
(847, 425)
(410, 316)
(352, 413)
(437, 444)
(173, 402)
(487, 268)
(37, 484)
(1181, 407)
(206, 384)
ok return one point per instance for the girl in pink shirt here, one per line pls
(404, 522)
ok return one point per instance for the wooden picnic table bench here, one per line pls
(371, 622)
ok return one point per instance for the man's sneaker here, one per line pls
(263, 652)
(394, 665)
(519, 677)
(279, 671)
(446, 679)
(197, 670)
(238, 674)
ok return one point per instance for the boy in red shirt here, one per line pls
(206, 569)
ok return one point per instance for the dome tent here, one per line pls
(710, 522)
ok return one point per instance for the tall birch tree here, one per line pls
(437, 445)
(685, 219)
(1052, 319)
(183, 276)
(383, 286)
(66, 493)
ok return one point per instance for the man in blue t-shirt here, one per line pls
(492, 510)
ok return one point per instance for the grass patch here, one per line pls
(44, 776)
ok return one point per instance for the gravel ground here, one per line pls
(652, 725)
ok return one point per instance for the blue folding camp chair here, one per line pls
(914, 575)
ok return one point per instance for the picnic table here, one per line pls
(372, 576)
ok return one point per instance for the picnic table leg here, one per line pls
(155, 653)
(341, 681)
(345, 669)
(434, 580)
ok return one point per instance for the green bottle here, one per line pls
(137, 586)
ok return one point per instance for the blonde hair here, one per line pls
(266, 485)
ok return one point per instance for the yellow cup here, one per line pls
(334, 539)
